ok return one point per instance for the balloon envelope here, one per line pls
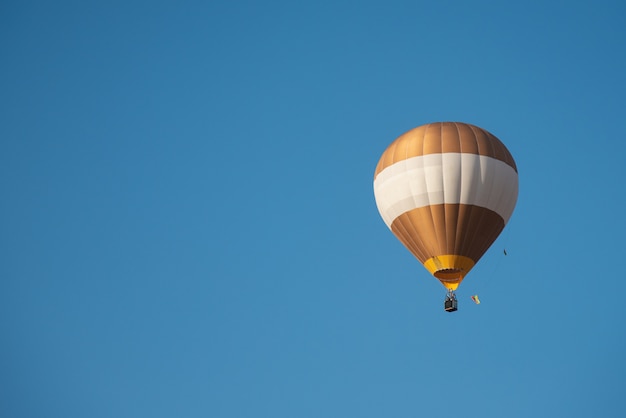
(446, 190)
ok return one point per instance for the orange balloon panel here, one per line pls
(446, 190)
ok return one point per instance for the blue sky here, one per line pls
(188, 224)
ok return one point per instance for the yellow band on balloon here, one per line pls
(449, 269)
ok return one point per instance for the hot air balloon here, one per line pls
(446, 190)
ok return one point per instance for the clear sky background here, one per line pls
(188, 226)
